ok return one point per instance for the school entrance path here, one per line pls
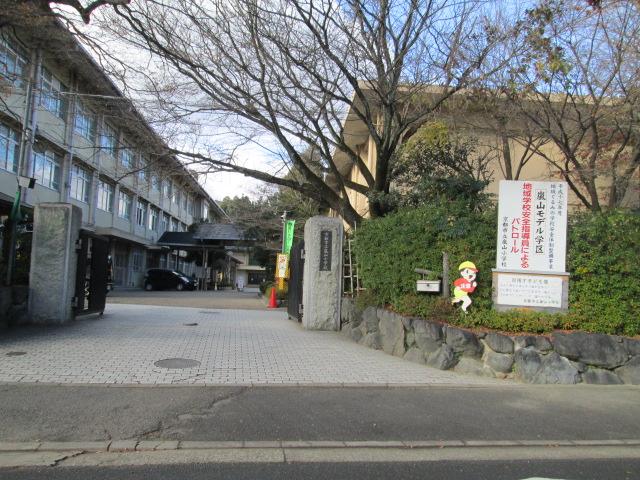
(232, 299)
(142, 344)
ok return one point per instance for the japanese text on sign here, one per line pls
(326, 240)
(532, 225)
(529, 290)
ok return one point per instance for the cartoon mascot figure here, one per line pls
(465, 285)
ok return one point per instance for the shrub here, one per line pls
(603, 254)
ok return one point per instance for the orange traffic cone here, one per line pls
(273, 302)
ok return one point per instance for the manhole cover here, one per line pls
(177, 363)
(15, 354)
(190, 324)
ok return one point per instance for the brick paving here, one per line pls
(234, 347)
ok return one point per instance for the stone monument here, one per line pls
(322, 278)
(56, 229)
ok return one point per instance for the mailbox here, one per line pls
(431, 286)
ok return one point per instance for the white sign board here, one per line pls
(529, 290)
(282, 265)
(532, 226)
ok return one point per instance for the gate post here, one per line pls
(56, 228)
(322, 292)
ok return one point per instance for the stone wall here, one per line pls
(566, 358)
(13, 305)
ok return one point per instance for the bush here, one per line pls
(603, 253)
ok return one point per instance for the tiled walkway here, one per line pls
(234, 347)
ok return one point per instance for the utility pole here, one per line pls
(284, 229)
(27, 138)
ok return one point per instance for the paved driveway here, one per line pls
(209, 299)
(231, 347)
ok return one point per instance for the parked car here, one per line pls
(163, 279)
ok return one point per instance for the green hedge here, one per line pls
(603, 250)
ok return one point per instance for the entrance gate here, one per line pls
(91, 274)
(296, 269)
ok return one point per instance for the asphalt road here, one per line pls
(569, 470)
(80, 413)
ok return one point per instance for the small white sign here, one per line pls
(529, 290)
(282, 265)
(532, 226)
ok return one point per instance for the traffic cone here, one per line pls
(273, 302)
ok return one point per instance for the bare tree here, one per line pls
(284, 74)
(580, 89)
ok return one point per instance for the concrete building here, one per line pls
(65, 123)
(469, 120)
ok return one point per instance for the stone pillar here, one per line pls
(322, 278)
(52, 279)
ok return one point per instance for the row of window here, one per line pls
(52, 97)
(46, 170)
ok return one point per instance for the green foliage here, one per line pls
(603, 259)
(603, 254)
(433, 164)
(388, 249)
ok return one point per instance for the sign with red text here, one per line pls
(532, 226)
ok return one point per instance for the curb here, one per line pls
(120, 446)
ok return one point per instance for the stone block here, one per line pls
(630, 372)
(470, 366)
(391, 333)
(370, 319)
(443, 358)
(371, 340)
(428, 335)
(322, 276)
(600, 376)
(415, 355)
(557, 369)
(499, 362)
(632, 346)
(540, 343)
(527, 362)
(410, 338)
(499, 343)
(53, 262)
(595, 349)
(355, 334)
(407, 322)
(463, 342)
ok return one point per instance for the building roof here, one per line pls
(177, 238)
(219, 231)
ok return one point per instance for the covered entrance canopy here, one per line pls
(209, 243)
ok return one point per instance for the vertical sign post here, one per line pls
(531, 248)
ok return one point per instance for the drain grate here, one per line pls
(194, 324)
(177, 363)
(15, 354)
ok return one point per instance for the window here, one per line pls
(9, 149)
(190, 205)
(51, 93)
(155, 183)
(166, 188)
(185, 201)
(124, 205)
(142, 171)
(174, 225)
(141, 213)
(153, 219)
(126, 158)
(177, 197)
(109, 141)
(46, 169)
(13, 62)
(80, 183)
(84, 123)
(165, 223)
(105, 196)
